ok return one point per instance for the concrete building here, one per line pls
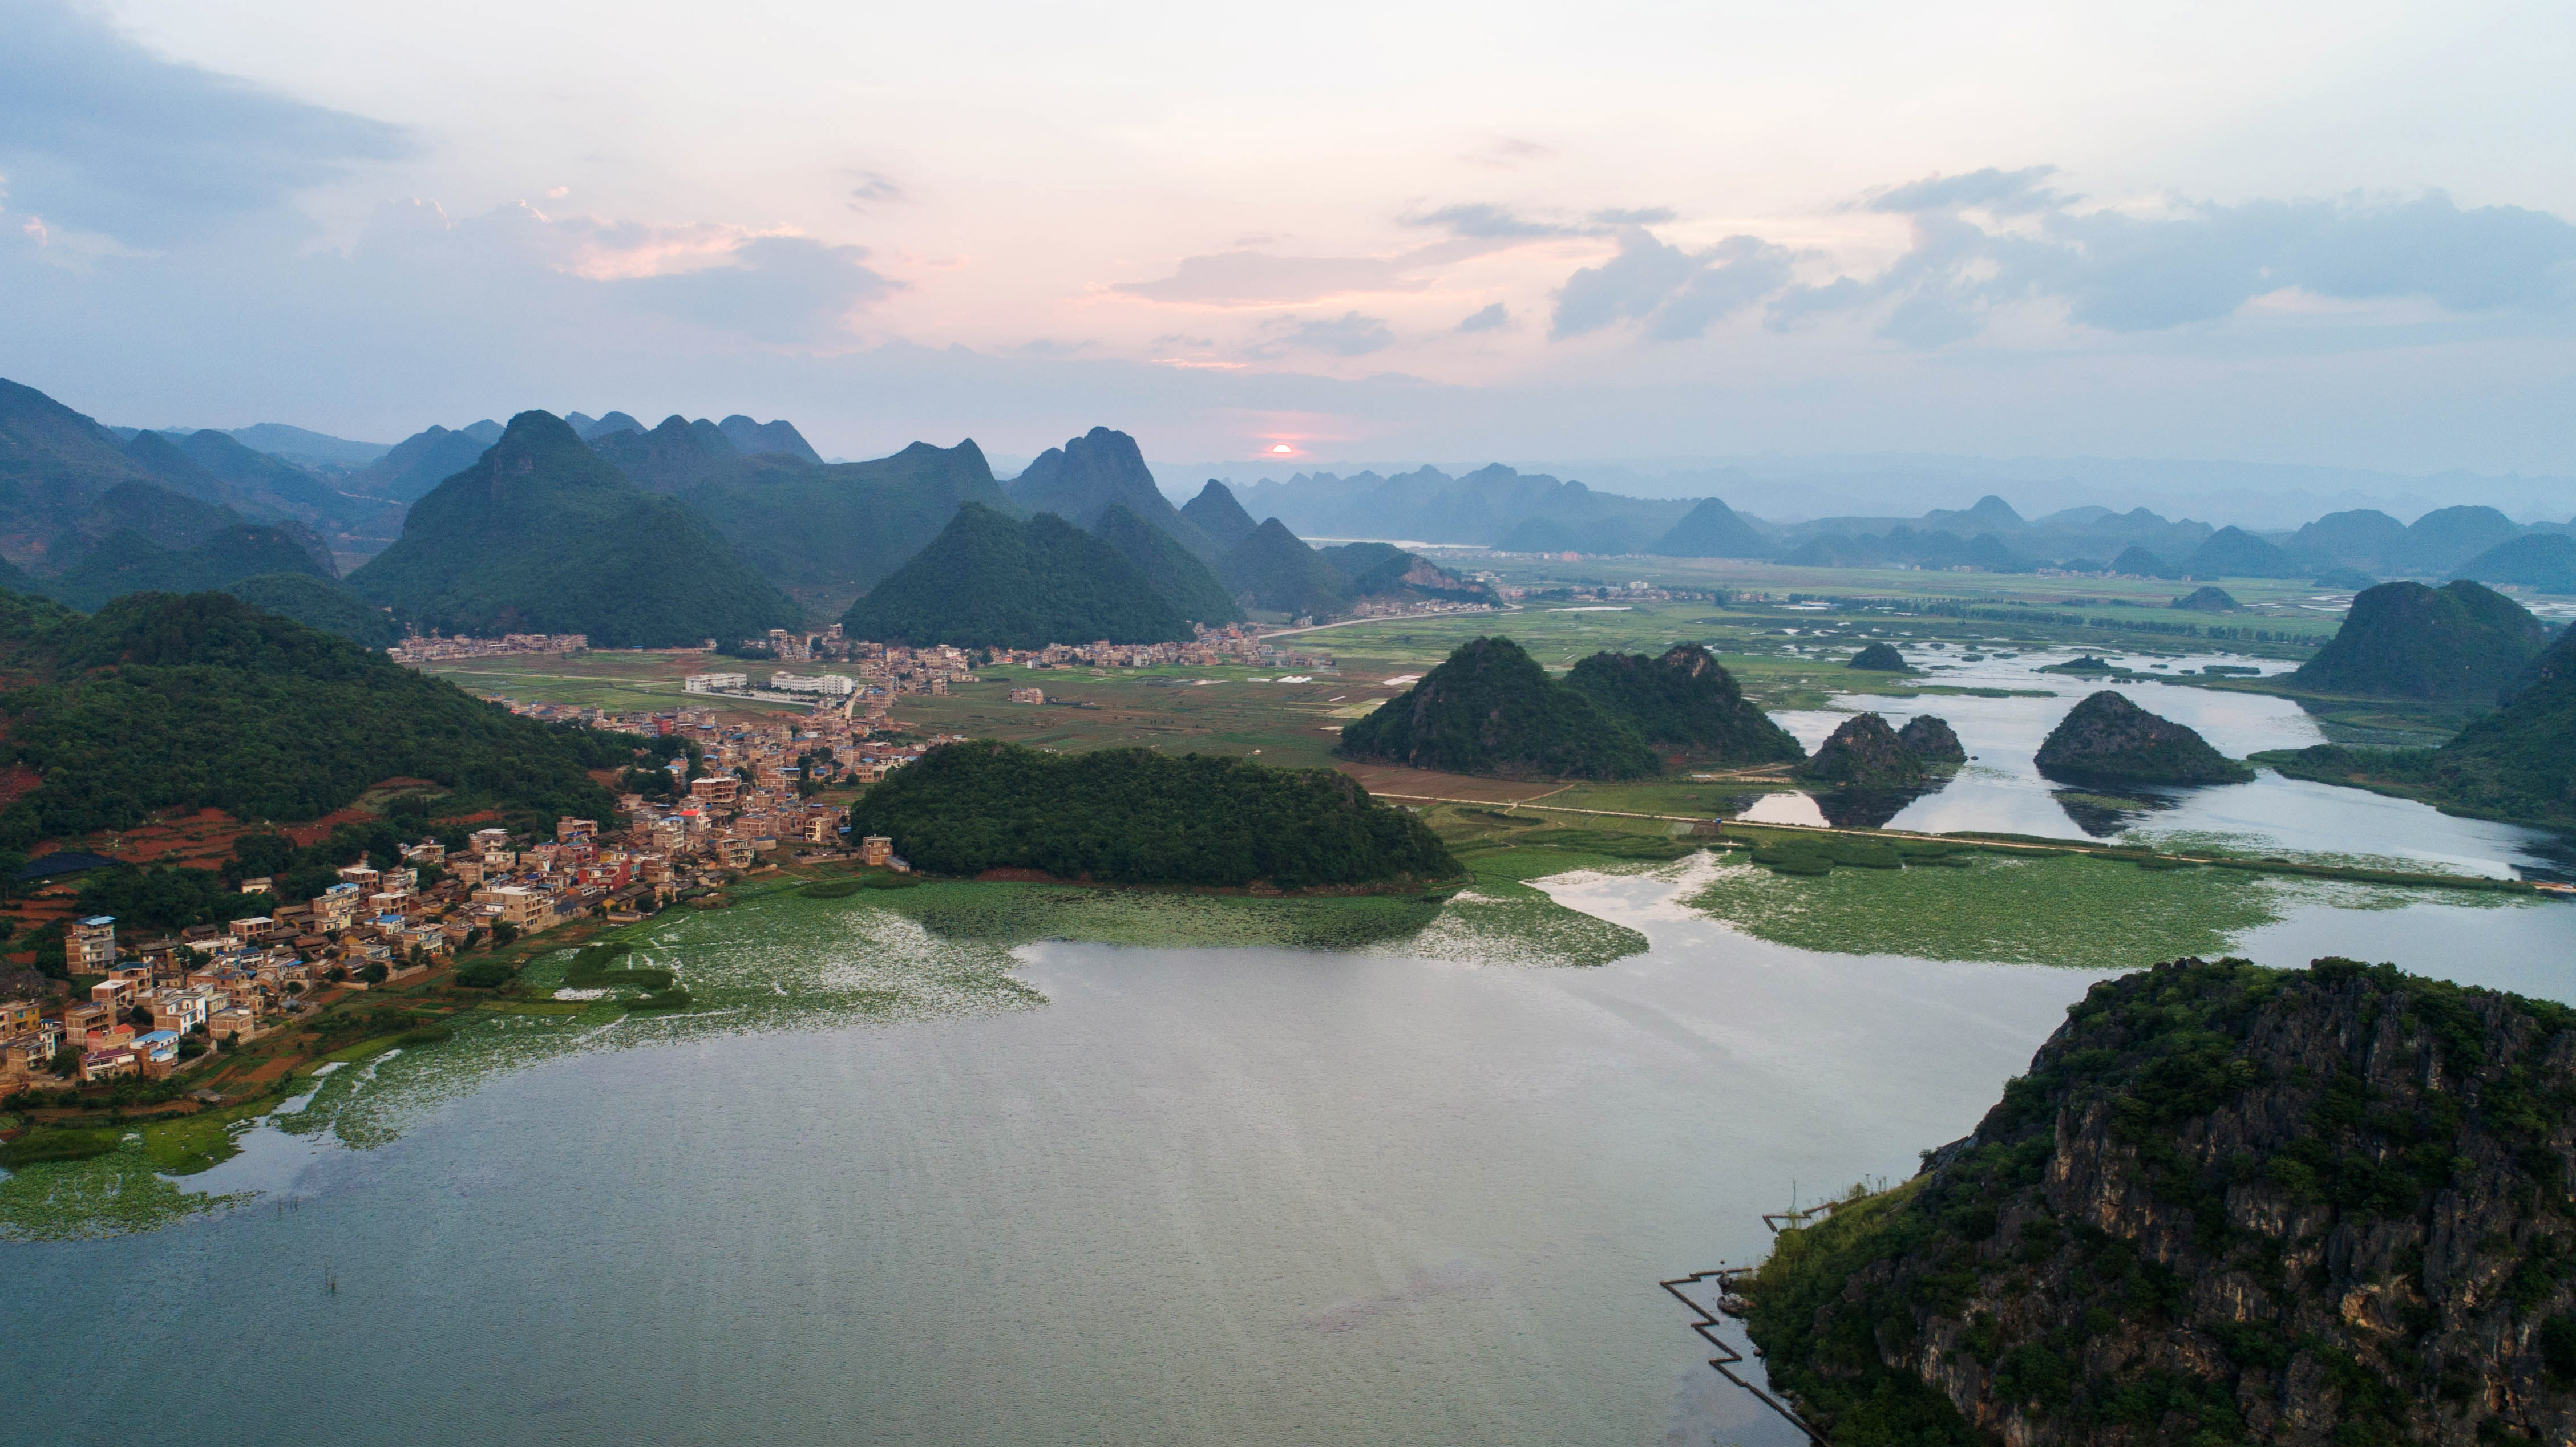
(876, 849)
(91, 945)
(830, 685)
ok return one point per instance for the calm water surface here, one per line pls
(2001, 791)
(1202, 1197)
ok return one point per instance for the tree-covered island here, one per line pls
(1132, 816)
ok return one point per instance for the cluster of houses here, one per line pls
(1414, 608)
(374, 927)
(436, 647)
(1213, 647)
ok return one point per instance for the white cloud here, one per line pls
(101, 132)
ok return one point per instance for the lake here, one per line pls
(1208, 1195)
(2001, 791)
(1221, 1195)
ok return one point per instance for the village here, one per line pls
(154, 1004)
(881, 672)
(144, 1004)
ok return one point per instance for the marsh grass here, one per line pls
(116, 1193)
(2069, 910)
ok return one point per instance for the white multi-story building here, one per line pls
(716, 683)
(830, 685)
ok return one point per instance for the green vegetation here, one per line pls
(594, 967)
(1864, 753)
(542, 535)
(1712, 530)
(2462, 641)
(1173, 571)
(2005, 907)
(1216, 513)
(205, 701)
(1832, 1372)
(2207, 600)
(2514, 763)
(2108, 739)
(1814, 855)
(1490, 709)
(66, 484)
(1006, 916)
(1383, 570)
(2546, 561)
(1096, 471)
(1929, 737)
(2302, 1137)
(1684, 700)
(840, 529)
(165, 898)
(1274, 570)
(844, 888)
(318, 603)
(1881, 657)
(988, 581)
(129, 562)
(1131, 816)
(119, 1191)
(53, 1144)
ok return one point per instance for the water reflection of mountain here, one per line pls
(2104, 815)
(1872, 808)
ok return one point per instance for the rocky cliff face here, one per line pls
(2327, 1208)
(2106, 738)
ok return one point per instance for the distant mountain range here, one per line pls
(543, 535)
(87, 514)
(1500, 508)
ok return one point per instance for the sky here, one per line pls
(2339, 235)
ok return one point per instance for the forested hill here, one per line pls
(2227, 1205)
(836, 531)
(66, 483)
(989, 581)
(1174, 571)
(1133, 816)
(542, 535)
(2462, 641)
(2520, 761)
(1490, 709)
(1685, 700)
(129, 562)
(159, 701)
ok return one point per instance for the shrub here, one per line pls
(58, 1145)
(485, 975)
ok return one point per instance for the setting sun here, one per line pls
(1283, 447)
